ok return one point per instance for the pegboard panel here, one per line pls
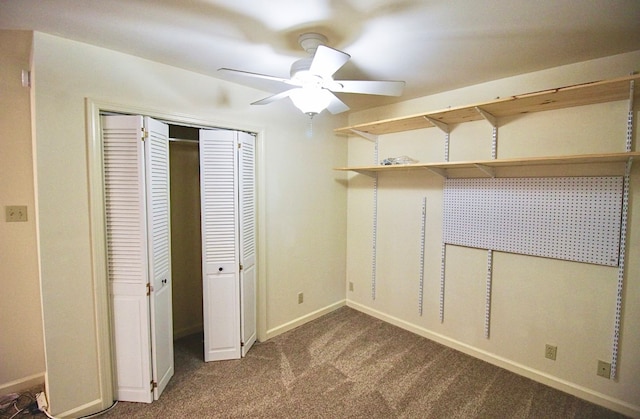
(570, 218)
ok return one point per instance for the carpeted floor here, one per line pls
(350, 365)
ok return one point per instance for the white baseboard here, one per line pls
(304, 319)
(84, 410)
(177, 334)
(562, 385)
(22, 384)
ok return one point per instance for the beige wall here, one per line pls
(21, 346)
(535, 300)
(186, 248)
(302, 231)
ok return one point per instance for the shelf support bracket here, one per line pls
(438, 124)
(444, 128)
(366, 173)
(438, 171)
(494, 123)
(365, 135)
(486, 169)
(486, 115)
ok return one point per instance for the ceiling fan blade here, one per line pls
(327, 61)
(273, 98)
(336, 105)
(256, 80)
(377, 87)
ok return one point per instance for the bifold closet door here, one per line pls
(220, 258)
(138, 261)
(159, 245)
(247, 203)
(227, 182)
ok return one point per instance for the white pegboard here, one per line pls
(570, 218)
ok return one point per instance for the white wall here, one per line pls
(301, 206)
(535, 300)
(21, 347)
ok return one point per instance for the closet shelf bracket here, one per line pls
(438, 171)
(369, 173)
(439, 124)
(365, 135)
(486, 169)
(488, 117)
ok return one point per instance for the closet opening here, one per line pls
(186, 238)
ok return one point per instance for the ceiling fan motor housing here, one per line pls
(299, 69)
(310, 41)
(311, 98)
(302, 64)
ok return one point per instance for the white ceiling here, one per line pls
(433, 45)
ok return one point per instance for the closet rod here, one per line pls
(183, 140)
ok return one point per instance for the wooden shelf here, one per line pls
(564, 97)
(611, 164)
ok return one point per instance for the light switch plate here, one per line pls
(16, 213)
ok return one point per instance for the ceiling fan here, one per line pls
(311, 86)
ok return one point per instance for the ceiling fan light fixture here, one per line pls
(310, 100)
(311, 85)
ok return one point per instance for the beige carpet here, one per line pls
(350, 365)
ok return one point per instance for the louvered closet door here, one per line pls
(159, 245)
(138, 254)
(126, 235)
(220, 261)
(247, 203)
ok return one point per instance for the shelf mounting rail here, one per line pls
(374, 241)
(623, 237)
(423, 228)
(487, 306)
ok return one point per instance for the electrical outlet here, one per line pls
(300, 298)
(350, 286)
(16, 213)
(604, 369)
(550, 352)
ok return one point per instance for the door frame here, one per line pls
(93, 108)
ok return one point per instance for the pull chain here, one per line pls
(310, 127)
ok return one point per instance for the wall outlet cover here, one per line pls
(16, 213)
(550, 352)
(604, 369)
